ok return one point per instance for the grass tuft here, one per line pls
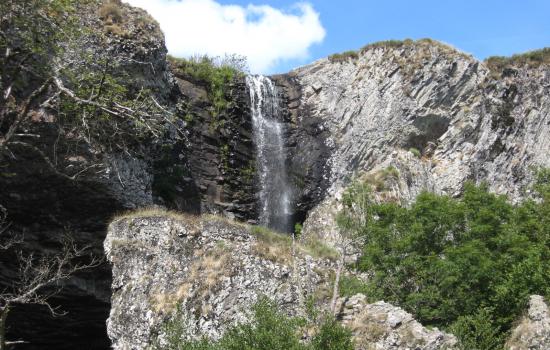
(531, 59)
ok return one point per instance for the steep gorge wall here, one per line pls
(64, 182)
(366, 112)
(345, 117)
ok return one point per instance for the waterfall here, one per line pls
(275, 194)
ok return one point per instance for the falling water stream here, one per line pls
(275, 193)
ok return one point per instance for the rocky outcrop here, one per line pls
(533, 331)
(438, 116)
(386, 327)
(208, 270)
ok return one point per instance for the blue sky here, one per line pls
(480, 27)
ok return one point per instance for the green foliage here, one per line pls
(248, 173)
(269, 329)
(351, 285)
(444, 259)
(31, 33)
(343, 57)
(477, 331)
(214, 74)
(391, 173)
(224, 157)
(531, 59)
(356, 201)
(298, 230)
(270, 237)
(415, 152)
(102, 82)
(317, 248)
(332, 336)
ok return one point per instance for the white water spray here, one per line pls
(275, 193)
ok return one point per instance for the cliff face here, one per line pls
(438, 116)
(346, 117)
(81, 167)
(207, 272)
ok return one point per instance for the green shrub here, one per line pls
(531, 59)
(351, 285)
(297, 230)
(415, 152)
(216, 76)
(444, 259)
(478, 331)
(343, 57)
(332, 336)
(269, 329)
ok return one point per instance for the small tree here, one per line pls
(40, 275)
(352, 223)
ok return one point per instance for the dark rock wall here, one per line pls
(307, 150)
(61, 184)
(221, 150)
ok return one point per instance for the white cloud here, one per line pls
(265, 35)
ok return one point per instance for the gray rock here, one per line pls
(465, 123)
(533, 332)
(386, 327)
(210, 269)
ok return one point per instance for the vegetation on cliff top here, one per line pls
(216, 74)
(395, 44)
(465, 264)
(531, 59)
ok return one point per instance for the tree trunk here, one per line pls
(335, 287)
(3, 317)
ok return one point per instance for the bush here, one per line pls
(269, 329)
(415, 152)
(477, 331)
(444, 259)
(298, 230)
(332, 336)
(343, 57)
(531, 59)
(214, 74)
(351, 285)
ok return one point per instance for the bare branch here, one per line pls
(22, 115)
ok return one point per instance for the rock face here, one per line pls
(61, 181)
(533, 332)
(386, 327)
(346, 117)
(207, 269)
(390, 102)
(60, 184)
(221, 151)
